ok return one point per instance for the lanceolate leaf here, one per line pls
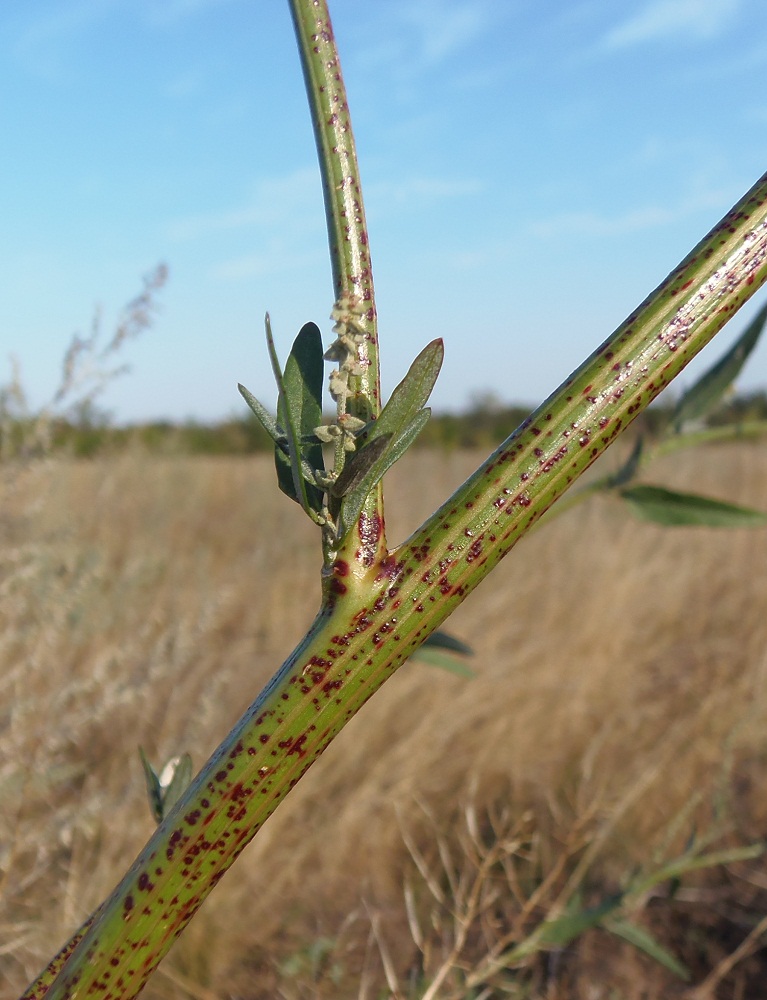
(265, 418)
(358, 464)
(443, 640)
(432, 652)
(400, 421)
(174, 780)
(653, 503)
(153, 787)
(701, 398)
(301, 407)
(354, 500)
(643, 940)
(299, 396)
(630, 467)
(452, 664)
(560, 931)
(411, 395)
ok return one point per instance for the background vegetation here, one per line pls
(89, 431)
(451, 815)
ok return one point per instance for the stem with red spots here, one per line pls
(370, 627)
(345, 215)
(379, 607)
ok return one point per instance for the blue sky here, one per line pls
(531, 171)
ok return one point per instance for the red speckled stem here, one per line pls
(375, 618)
(344, 210)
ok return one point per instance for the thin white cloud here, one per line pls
(279, 257)
(594, 224)
(276, 202)
(290, 204)
(665, 20)
(443, 28)
(412, 191)
(185, 85)
(421, 34)
(47, 36)
(162, 13)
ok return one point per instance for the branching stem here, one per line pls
(378, 606)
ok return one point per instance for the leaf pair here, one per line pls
(386, 439)
(167, 787)
(297, 449)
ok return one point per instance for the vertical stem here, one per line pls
(348, 242)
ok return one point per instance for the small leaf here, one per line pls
(443, 640)
(359, 464)
(630, 467)
(450, 663)
(153, 787)
(643, 940)
(299, 411)
(703, 396)
(303, 388)
(653, 503)
(562, 930)
(411, 395)
(354, 500)
(175, 779)
(265, 418)
(401, 420)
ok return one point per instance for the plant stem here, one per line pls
(347, 229)
(379, 606)
(373, 625)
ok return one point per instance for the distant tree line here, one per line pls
(87, 431)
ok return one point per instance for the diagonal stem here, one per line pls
(372, 626)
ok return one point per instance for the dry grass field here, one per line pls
(619, 708)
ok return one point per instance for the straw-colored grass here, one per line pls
(620, 704)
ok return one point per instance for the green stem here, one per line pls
(347, 232)
(347, 229)
(377, 611)
(747, 431)
(376, 620)
(568, 432)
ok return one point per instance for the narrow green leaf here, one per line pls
(562, 930)
(630, 467)
(435, 658)
(643, 940)
(153, 787)
(354, 500)
(358, 464)
(299, 399)
(703, 396)
(303, 379)
(690, 863)
(175, 779)
(401, 420)
(265, 418)
(653, 503)
(411, 395)
(443, 640)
